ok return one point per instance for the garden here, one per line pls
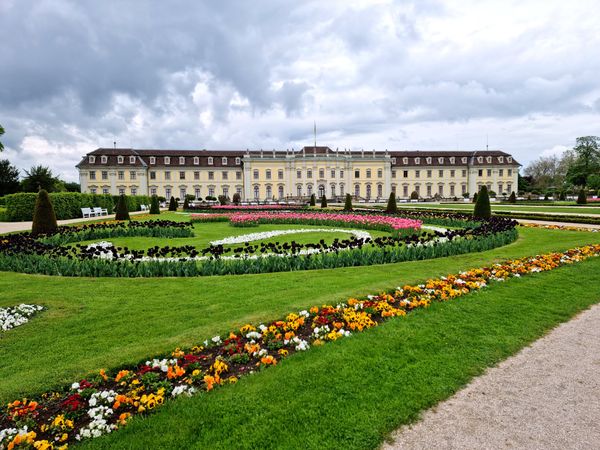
(275, 329)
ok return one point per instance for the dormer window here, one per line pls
(404, 160)
(452, 159)
(428, 160)
(210, 160)
(238, 161)
(500, 159)
(441, 160)
(152, 160)
(119, 160)
(132, 160)
(393, 160)
(181, 160)
(489, 159)
(92, 159)
(196, 160)
(103, 159)
(464, 160)
(509, 159)
(417, 160)
(167, 160)
(224, 160)
(480, 159)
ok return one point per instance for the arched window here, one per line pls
(269, 193)
(379, 190)
(321, 190)
(368, 191)
(309, 190)
(299, 190)
(256, 192)
(280, 189)
(357, 190)
(333, 190)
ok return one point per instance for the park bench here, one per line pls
(98, 211)
(87, 212)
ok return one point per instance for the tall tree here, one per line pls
(39, 177)
(1, 133)
(9, 178)
(587, 160)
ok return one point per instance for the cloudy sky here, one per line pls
(399, 75)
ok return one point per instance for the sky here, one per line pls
(522, 76)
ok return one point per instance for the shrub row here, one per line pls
(67, 205)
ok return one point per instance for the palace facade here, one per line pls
(277, 175)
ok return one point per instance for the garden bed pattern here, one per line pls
(13, 316)
(104, 402)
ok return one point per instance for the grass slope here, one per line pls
(95, 323)
(352, 393)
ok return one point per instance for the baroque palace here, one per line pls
(294, 175)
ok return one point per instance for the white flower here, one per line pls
(75, 386)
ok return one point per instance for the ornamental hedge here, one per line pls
(67, 205)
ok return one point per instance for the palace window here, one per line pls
(153, 191)
(368, 173)
(500, 159)
(152, 160)
(428, 160)
(464, 160)
(508, 159)
(268, 174)
(393, 160)
(417, 173)
(103, 159)
(238, 175)
(121, 175)
(379, 190)
(168, 193)
(224, 160)
(132, 175)
(211, 175)
(225, 175)
(104, 175)
(429, 174)
(167, 160)
(441, 190)
(167, 175)
(464, 173)
(132, 160)
(417, 160)
(196, 175)
(182, 175)
(480, 159)
(197, 193)
(379, 173)
(441, 160)
(211, 191)
(404, 160)
(405, 191)
(196, 160)
(210, 160)
(441, 173)
(119, 160)
(92, 175)
(256, 192)
(480, 172)
(405, 174)
(489, 172)
(393, 174)
(105, 190)
(489, 159)
(428, 190)
(280, 174)
(357, 173)
(237, 161)
(332, 173)
(255, 174)
(452, 172)
(509, 172)
(92, 190)
(298, 174)
(269, 193)
(321, 173)
(133, 190)
(92, 159)
(341, 174)
(152, 175)
(501, 172)
(309, 173)
(452, 159)
(121, 191)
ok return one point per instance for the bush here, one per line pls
(313, 200)
(222, 200)
(323, 202)
(154, 205)
(483, 210)
(391, 205)
(414, 195)
(236, 198)
(186, 204)
(67, 205)
(122, 210)
(348, 203)
(562, 196)
(492, 194)
(44, 218)
(512, 198)
(466, 195)
(173, 204)
(475, 197)
(581, 198)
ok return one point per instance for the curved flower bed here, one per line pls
(269, 234)
(560, 227)
(13, 316)
(382, 222)
(104, 402)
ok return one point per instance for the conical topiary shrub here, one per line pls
(44, 218)
(323, 202)
(122, 211)
(483, 210)
(475, 197)
(392, 207)
(173, 204)
(313, 200)
(581, 198)
(186, 204)
(348, 203)
(512, 198)
(154, 205)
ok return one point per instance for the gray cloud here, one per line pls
(405, 74)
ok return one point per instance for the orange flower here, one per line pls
(268, 360)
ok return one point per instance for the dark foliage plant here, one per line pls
(313, 200)
(44, 218)
(482, 209)
(323, 202)
(154, 205)
(348, 203)
(122, 211)
(512, 198)
(173, 204)
(392, 207)
(581, 198)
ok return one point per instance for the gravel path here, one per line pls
(545, 397)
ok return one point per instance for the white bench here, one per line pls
(87, 212)
(98, 211)
(143, 208)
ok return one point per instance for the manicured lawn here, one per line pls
(106, 322)
(504, 207)
(352, 393)
(207, 232)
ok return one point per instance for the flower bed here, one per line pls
(559, 227)
(13, 316)
(104, 402)
(273, 233)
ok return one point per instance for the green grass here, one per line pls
(95, 323)
(354, 392)
(504, 207)
(207, 232)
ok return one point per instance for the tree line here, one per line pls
(36, 178)
(577, 168)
